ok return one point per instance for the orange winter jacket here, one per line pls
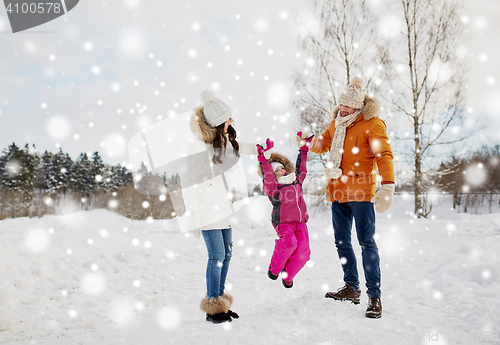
(366, 143)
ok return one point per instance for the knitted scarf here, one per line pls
(287, 179)
(333, 170)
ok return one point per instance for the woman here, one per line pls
(211, 123)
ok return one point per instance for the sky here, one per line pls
(93, 78)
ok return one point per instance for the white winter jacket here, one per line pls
(209, 197)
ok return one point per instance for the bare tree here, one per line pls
(427, 77)
(343, 46)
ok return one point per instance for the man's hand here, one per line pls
(303, 139)
(383, 197)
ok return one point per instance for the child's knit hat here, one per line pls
(275, 164)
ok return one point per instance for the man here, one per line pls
(358, 144)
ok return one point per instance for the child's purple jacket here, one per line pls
(287, 199)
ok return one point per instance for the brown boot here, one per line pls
(374, 309)
(217, 308)
(345, 293)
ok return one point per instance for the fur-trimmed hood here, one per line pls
(200, 127)
(370, 110)
(278, 157)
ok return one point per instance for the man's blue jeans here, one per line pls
(219, 246)
(364, 216)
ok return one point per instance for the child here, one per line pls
(283, 185)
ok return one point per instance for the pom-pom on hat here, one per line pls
(216, 111)
(353, 96)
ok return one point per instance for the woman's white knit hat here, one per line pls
(353, 96)
(216, 111)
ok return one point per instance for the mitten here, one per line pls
(260, 154)
(383, 197)
(264, 153)
(300, 142)
(267, 154)
(332, 173)
(304, 141)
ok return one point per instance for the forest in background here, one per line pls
(34, 184)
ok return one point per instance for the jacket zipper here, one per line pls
(297, 195)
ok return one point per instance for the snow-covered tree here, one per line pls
(115, 182)
(472, 179)
(97, 172)
(18, 168)
(60, 174)
(29, 174)
(43, 177)
(83, 181)
(31, 184)
(427, 77)
(11, 166)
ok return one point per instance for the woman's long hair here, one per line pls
(220, 143)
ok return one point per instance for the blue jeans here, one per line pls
(364, 215)
(219, 246)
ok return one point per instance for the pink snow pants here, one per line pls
(291, 251)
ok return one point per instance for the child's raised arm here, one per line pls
(301, 164)
(270, 186)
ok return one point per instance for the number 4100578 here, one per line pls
(40, 7)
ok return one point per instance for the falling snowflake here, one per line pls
(132, 3)
(58, 127)
(96, 70)
(115, 145)
(132, 43)
(37, 241)
(262, 25)
(476, 175)
(93, 284)
(122, 313)
(169, 318)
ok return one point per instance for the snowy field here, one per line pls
(98, 278)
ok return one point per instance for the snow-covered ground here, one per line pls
(98, 278)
